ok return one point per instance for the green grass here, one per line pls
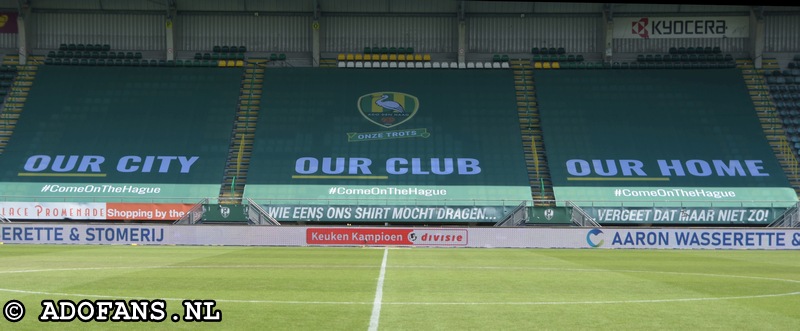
(315, 288)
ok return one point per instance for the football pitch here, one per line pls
(354, 288)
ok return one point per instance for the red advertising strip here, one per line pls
(386, 237)
(8, 22)
(146, 211)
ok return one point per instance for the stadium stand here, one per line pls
(135, 126)
(544, 74)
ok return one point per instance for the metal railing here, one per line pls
(789, 219)
(258, 216)
(580, 218)
(516, 217)
(194, 214)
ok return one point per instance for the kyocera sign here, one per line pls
(681, 27)
(98, 164)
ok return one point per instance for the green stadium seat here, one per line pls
(282, 57)
(216, 49)
(242, 49)
(534, 50)
(49, 60)
(106, 47)
(198, 56)
(62, 47)
(80, 47)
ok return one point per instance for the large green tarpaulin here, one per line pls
(390, 136)
(122, 133)
(656, 135)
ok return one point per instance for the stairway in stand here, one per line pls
(15, 93)
(769, 118)
(243, 133)
(532, 142)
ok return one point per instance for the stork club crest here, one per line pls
(387, 110)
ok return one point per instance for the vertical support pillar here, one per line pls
(608, 40)
(22, 39)
(22, 34)
(315, 49)
(170, 38)
(462, 41)
(757, 32)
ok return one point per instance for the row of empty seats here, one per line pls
(383, 57)
(424, 65)
(558, 57)
(695, 50)
(548, 50)
(229, 49)
(388, 50)
(784, 90)
(684, 57)
(7, 76)
(216, 56)
(84, 47)
(94, 54)
(145, 62)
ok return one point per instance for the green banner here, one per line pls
(678, 196)
(122, 133)
(693, 134)
(108, 192)
(397, 135)
(549, 215)
(360, 194)
(405, 214)
(687, 216)
(225, 213)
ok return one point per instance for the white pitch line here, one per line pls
(376, 304)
